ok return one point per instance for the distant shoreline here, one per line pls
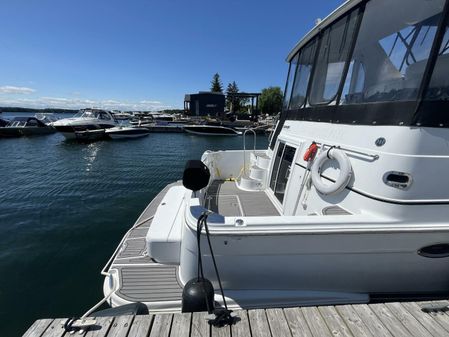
(47, 110)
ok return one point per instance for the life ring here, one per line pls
(343, 178)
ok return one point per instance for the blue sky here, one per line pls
(144, 54)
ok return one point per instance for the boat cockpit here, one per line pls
(97, 114)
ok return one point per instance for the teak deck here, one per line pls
(143, 280)
(359, 320)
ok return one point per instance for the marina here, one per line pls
(326, 219)
(65, 207)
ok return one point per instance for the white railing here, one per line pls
(244, 147)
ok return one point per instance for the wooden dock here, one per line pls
(360, 320)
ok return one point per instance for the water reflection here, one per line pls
(91, 153)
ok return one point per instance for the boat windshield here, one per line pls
(390, 56)
(92, 114)
(379, 51)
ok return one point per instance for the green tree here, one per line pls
(216, 85)
(232, 103)
(270, 100)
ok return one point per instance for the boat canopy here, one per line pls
(376, 62)
(25, 121)
(99, 114)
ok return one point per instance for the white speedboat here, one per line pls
(118, 115)
(123, 132)
(350, 201)
(211, 130)
(85, 120)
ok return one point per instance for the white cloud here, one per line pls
(78, 103)
(149, 102)
(9, 89)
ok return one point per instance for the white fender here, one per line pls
(343, 178)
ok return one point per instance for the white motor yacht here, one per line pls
(85, 120)
(350, 201)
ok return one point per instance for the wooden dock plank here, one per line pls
(200, 327)
(120, 326)
(297, 323)
(161, 325)
(396, 328)
(101, 328)
(38, 328)
(335, 323)
(241, 328)
(316, 322)
(55, 329)
(374, 325)
(437, 325)
(408, 320)
(141, 326)
(278, 323)
(221, 332)
(181, 325)
(405, 319)
(259, 323)
(353, 321)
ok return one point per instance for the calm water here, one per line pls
(64, 206)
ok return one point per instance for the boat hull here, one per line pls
(71, 131)
(126, 133)
(25, 131)
(211, 131)
(374, 263)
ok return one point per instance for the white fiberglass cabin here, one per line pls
(366, 217)
(85, 120)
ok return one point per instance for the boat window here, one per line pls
(333, 53)
(303, 71)
(439, 82)
(104, 116)
(32, 122)
(290, 77)
(90, 114)
(284, 172)
(392, 50)
(277, 160)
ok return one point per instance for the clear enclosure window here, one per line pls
(439, 82)
(333, 54)
(284, 172)
(303, 71)
(290, 77)
(277, 160)
(392, 50)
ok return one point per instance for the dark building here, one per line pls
(205, 103)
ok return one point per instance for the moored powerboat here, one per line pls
(348, 203)
(123, 132)
(25, 126)
(211, 130)
(84, 120)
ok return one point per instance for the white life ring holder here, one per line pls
(343, 178)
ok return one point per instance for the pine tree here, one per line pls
(232, 103)
(216, 85)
